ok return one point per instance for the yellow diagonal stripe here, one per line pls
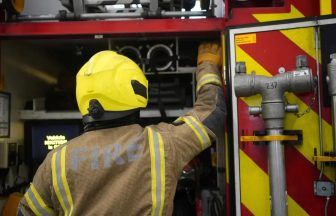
(157, 154)
(40, 200)
(64, 180)
(199, 130)
(197, 133)
(294, 13)
(31, 205)
(54, 181)
(302, 37)
(153, 170)
(325, 7)
(208, 78)
(162, 173)
(308, 123)
(255, 189)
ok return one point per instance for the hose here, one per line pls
(321, 172)
(131, 52)
(317, 39)
(162, 55)
(326, 206)
(216, 206)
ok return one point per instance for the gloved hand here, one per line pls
(210, 52)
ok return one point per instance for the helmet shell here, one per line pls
(107, 77)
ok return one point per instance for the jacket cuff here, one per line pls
(208, 73)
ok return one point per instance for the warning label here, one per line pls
(246, 39)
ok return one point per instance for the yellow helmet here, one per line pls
(110, 86)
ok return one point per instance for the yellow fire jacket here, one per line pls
(128, 170)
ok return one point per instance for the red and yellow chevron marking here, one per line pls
(270, 51)
(259, 203)
(301, 37)
(291, 121)
(298, 182)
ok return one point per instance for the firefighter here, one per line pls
(118, 167)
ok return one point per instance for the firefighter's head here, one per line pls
(110, 86)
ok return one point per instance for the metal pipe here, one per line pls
(331, 80)
(333, 114)
(291, 108)
(141, 14)
(319, 93)
(37, 17)
(114, 2)
(277, 175)
(273, 110)
(272, 90)
(84, 16)
(94, 16)
(183, 13)
(255, 110)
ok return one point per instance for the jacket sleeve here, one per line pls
(192, 133)
(37, 199)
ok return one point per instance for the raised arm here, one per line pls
(195, 131)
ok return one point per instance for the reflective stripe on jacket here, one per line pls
(128, 170)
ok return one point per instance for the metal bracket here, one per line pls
(324, 188)
(291, 137)
(324, 159)
(268, 138)
(327, 158)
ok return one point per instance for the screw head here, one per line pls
(281, 70)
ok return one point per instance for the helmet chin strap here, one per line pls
(97, 114)
(132, 118)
